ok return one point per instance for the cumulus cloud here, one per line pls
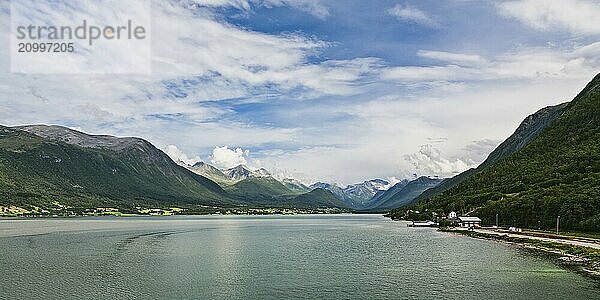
(178, 156)
(226, 158)
(575, 16)
(411, 14)
(429, 161)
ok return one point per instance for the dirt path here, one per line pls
(569, 241)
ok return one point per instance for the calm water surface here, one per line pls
(274, 257)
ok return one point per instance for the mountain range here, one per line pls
(44, 166)
(228, 176)
(367, 195)
(356, 195)
(549, 167)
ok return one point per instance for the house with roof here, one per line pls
(468, 222)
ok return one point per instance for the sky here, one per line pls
(323, 90)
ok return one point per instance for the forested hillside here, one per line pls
(557, 173)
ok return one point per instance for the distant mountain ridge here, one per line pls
(259, 187)
(41, 165)
(356, 195)
(226, 176)
(403, 193)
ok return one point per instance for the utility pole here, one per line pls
(557, 223)
(496, 220)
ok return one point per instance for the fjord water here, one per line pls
(275, 257)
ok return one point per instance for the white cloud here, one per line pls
(341, 139)
(392, 181)
(226, 158)
(575, 16)
(239, 4)
(455, 58)
(429, 161)
(313, 7)
(178, 156)
(195, 56)
(245, 61)
(524, 63)
(411, 14)
(221, 61)
(478, 151)
(430, 73)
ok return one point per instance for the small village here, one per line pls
(450, 220)
(60, 210)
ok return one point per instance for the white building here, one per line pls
(468, 222)
(452, 215)
(422, 224)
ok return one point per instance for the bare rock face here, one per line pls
(238, 173)
(81, 139)
(357, 195)
(208, 171)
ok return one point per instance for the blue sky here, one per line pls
(339, 91)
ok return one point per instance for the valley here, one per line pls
(548, 167)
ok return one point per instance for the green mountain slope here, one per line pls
(258, 189)
(92, 171)
(528, 130)
(269, 192)
(556, 173)
(319, 198)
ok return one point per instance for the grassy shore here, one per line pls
(581, 259)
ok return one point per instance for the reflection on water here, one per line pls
(276, 257)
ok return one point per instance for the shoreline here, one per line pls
(172, 211)
(133, 216)
(580, 259)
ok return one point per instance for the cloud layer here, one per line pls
(306, 100)
(313, 7)
(575, 16)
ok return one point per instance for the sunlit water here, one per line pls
(275, 257)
